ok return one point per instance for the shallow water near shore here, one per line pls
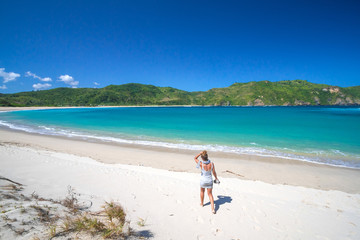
(326, 135)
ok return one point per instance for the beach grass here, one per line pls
(34, 212)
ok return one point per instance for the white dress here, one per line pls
(206, 177)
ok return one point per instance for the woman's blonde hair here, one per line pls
(204, 155)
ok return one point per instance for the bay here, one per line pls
(326, 135)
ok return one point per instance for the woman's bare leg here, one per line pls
(209, 192)
(202, 191)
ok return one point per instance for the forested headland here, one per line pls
(262, 93)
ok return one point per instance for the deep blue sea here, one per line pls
(327, 135)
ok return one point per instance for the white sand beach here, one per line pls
(166, 196)
(107, 106)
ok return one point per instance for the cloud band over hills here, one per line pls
(44, 81)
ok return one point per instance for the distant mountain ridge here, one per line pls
(262, 93)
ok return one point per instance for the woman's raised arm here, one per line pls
(196, 157)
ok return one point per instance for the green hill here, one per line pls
(295, 92)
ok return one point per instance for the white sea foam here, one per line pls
(319, 156)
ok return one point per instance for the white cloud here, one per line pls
(46, 79)
(8, 76)
(66, 78)
(97, 84)
(40, 86)
(30, 74)
(69, 80)
(3, 87)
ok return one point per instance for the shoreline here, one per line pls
(247, 167)
(8, 109)
(245, 152)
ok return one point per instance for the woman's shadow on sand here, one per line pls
(220, 201)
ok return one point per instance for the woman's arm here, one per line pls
(196, 157)
(214, 172)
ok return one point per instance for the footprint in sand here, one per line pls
(193, 209)
(217, 232)
(277, 229)
(257, 228)
(200, 219)
(179, 202)
(240, 220)
(244, 208)
(200, 237)
(274, 205)
(255, 219)
(260, 212)
(352, 224)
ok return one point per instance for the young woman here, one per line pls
(207, 169)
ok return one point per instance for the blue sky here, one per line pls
(190, 45)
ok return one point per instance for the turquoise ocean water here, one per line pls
(327, 135)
